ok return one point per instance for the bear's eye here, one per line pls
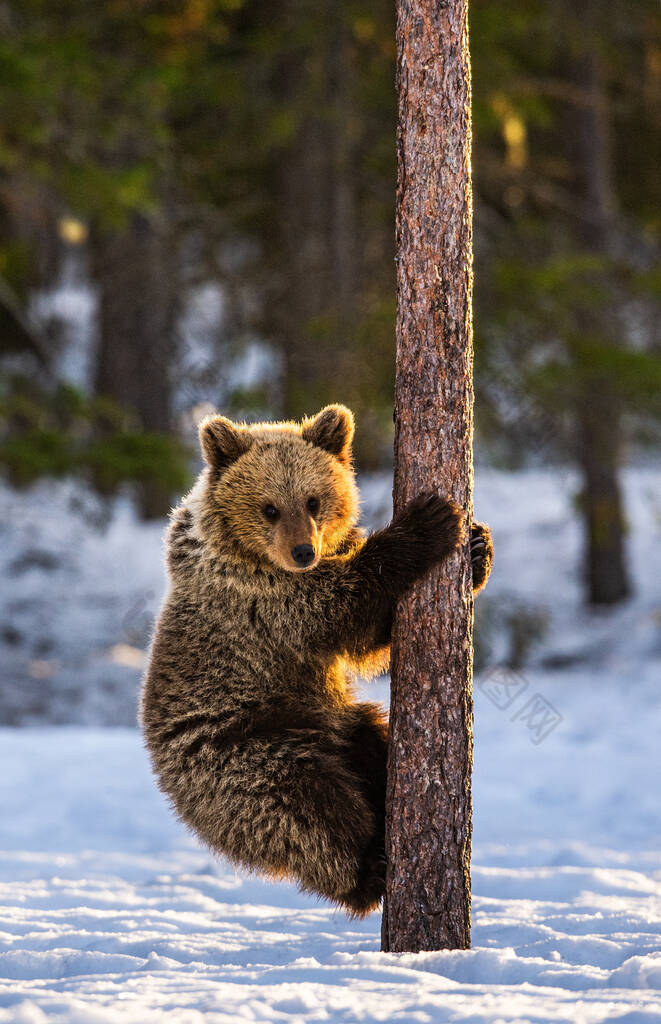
(271, 513)
(313, 506)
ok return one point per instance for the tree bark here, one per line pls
(428, 828)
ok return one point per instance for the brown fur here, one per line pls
(247, 707)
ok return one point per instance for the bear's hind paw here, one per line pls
(481, 554)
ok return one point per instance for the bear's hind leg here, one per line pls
(368, 751)
(295, 808)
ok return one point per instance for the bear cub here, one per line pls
(276, 599)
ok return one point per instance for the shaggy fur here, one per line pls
(246, 708)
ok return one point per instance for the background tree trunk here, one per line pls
(316, 225)
(428, 828)
(598, 406)
(136, 271)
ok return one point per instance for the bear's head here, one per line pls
(283, 492)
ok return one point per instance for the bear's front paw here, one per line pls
(434, 522)
(481, 554)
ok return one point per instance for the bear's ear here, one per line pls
(331, 429)
(222, 441)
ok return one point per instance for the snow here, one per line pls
(76, 616)
(71, 304)
(111, 912)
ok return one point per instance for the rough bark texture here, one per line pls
(428, 830)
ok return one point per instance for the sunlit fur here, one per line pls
(247, 706)
(279, 468)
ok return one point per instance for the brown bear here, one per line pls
(276, 599)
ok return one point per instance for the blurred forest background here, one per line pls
(216, 179)
(197, 213)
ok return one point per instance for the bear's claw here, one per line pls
(481, 554)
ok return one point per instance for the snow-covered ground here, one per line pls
(111, 912)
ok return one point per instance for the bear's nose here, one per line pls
(302, 554)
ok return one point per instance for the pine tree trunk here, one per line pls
(317, 266)
(598, 412)
(428, 829)
(135, 269)
(606, 576)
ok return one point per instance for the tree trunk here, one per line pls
(599, 420)
(605, 568)
(135, 269)
(428, 828)
(344, 235)
(313, 314)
